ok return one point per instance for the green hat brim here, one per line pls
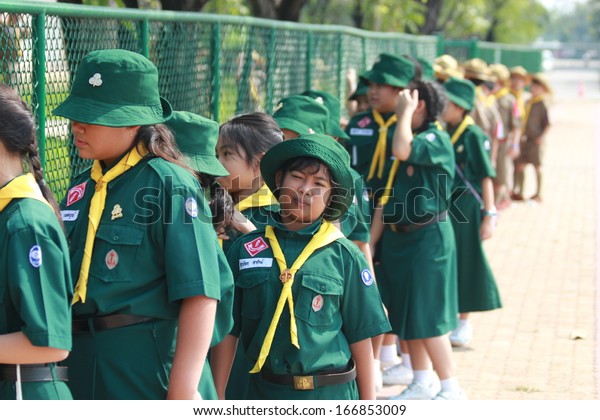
(279, 154)
(384, 79)
(206, 164)
(89, 111)
(286, 123)
(459, 101)
(336, 131)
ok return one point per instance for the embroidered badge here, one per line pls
(246, 263)
(317, 303)
(364, 122)
(487, 145)
(256, 246)
(410, 170)
(191, 207)
(430, 137)
(69, 215)
(367, 277)
(76, 193)
(35, 256)
(460, 149)
(96, 80)
(111, 259)
(116, 213)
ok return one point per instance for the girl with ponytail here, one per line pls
(35, 279)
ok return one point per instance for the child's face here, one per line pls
(243, 176)
(517, 83)
(537, 89)
(100, 142)
(453, 113)
(382, 97)
(362, 103)
(303, 195)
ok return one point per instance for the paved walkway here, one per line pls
(543, 343)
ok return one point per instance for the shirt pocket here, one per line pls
(253, 283)
(319, 299)
(116, 248)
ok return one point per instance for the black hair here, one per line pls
(160, 142)
(434, 96)
(18, 135)
(220, 202)
(253, 133)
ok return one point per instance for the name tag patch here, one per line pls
(246, 263)
(361, 131)
(69, 215)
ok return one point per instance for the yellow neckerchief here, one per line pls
(96, 208)
(530, 103)
(501, 93)
(261, 198)
(487, 100)
(378, 161)
(467, 121)
(518, 94)
(326, 234)
(23, 186)
(385, 197)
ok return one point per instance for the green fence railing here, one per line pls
(217, 66)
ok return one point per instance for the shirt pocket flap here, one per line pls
(322, 284)
(121, 234)
(248, 279)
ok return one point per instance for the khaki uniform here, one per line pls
(538, 120)
(508, 110)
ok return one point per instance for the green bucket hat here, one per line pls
(461, 92)
(197, 138)
(301, 114)
(333, 106)
(361, 89)
(115, 88)
(328, 151)
(391, 70)
(427, 68)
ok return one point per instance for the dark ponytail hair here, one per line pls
(434, 96)
(18, 135)
(160, 142)
(220, 203)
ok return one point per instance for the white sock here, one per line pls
(388, 353)
(406, 360)
(376, 365)
(463, 322)
(450, 385)
(424, 377)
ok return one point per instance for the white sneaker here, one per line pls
(462, 335)
(397, 375)
(378, 376)
(447, 395)
(389, 363)
(416, 391)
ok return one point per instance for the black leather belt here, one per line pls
(440, 217)
(106, 322)
(307, 383)
(34, 373)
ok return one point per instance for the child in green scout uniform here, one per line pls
(196, 138)
(35, 279)
(418, 260)
(146, 291)
(535, 124)
(472, 208)
(299, 283)
(371, 132)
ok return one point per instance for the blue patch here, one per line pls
(35, 256)
(191, 207)
(367, 277)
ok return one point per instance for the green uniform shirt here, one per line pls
(364, 133)
(423, 184)
(257, 215)
(35, 285)
(472, 154)
(328, 289)
(355, 224)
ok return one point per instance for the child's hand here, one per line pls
(241, 223)
(487, 227)
(407, 101)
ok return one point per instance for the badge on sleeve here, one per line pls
(35, 256)
(460, 149)
(256, 246)
(430, 137)
(367, 277)
(487, 145)
(317, 303)
(191, 207)
(76, 193)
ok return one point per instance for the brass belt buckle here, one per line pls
(303, 383)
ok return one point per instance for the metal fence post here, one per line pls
(145, 38)
(310, 42)
(340, 65)
(39, 81)
(216, 71)
(270, 71)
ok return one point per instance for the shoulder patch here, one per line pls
(430, 136)
(76, 193)
(487, 145)
(35, 256)
(367, 277)
(256, 246)
(191, 207)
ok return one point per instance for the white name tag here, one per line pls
(355, 131)
(69, 215)
(246, 263)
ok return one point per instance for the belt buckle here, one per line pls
(304, 383)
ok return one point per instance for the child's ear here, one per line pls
(421, 106)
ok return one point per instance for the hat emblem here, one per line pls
(278, 107)
(319, 100)
(95, 80)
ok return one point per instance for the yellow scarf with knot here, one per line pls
(96, 208)
(378, 162)
(326, 234)
(261, 198)
(23, 186)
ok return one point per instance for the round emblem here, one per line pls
(367, 277)
(365, 195)
(191, 207)
(410, 170)
(317, 303)
(35, 256)
(460, 149)
(430, 137)
(487, 145)
(111, 259)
